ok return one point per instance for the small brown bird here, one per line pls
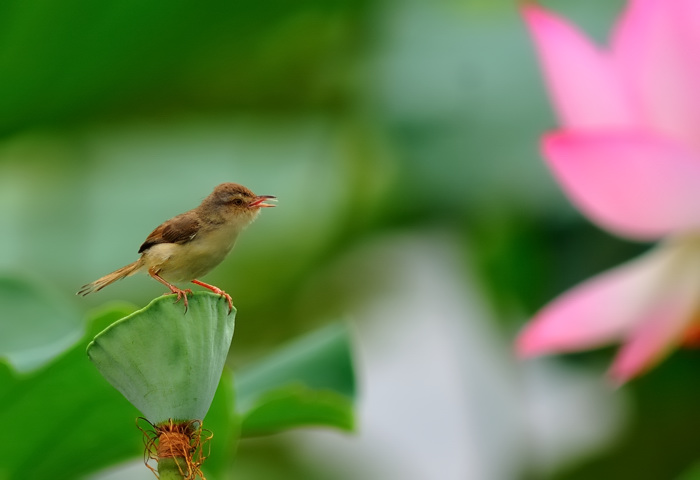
(191, 244)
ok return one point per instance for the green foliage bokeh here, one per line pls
(368, 119)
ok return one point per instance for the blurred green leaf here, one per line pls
(692, 473)
(309, 382)
(298, 406)
(36, 325)
(166, 362)
(73, 422)
(222, 421)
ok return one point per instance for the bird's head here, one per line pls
(233, 202)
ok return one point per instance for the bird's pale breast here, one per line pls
(185, 262)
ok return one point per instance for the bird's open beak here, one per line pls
(259, 201)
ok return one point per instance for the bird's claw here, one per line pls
(225, 295)
(181, 294)
(229, 300)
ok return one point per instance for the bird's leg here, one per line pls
(218, 291)
(177, 291)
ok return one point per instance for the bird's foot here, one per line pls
(228, 298)
(218, 291)
(181, 294)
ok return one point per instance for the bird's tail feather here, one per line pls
(102, 282)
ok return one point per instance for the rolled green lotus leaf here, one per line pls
(166, 362)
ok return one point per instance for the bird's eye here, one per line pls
(238, 202)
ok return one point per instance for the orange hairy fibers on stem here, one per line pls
(174, 441)
(178, 442)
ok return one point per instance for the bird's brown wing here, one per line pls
(180, 229)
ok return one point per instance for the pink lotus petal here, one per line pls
(665, 324)
(597, 312)
(636, 184)
(657, 48)
(583, 81)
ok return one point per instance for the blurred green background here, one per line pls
(401, 138)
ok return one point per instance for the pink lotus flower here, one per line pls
(628, 155)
